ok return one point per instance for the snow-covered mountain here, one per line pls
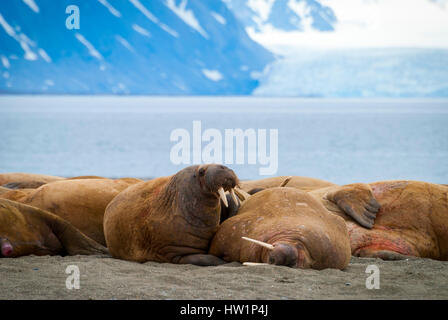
(127, 46)
(286, 15)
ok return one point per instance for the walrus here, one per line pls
(392, 220)
(4, 190)
(412, 219)
(25, 230)
(34, 181)
(25, 180)
(82, 202)
(169, 219)
(301, 183)
(291, 228)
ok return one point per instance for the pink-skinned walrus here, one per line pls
(412, 219)
(288, 227)
(391, 220)
(169, 219)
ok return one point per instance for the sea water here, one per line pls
(342, 141)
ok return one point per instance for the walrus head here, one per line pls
(216, 179)
(296, 230)
(199, 192)
(308, 248)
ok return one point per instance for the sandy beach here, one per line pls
(104, 278)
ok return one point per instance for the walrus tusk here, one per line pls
(243, 195)
(285, 182)
(223, 197)
(260, 243)
(234, 196)
(255, 264)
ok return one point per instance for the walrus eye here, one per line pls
(201, 172)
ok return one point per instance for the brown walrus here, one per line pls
(26, 230)
(412, 220)
(169, 219)
(298, 230)
(82, 202)
(301, 183)
(14, 194)
(34, 181)
(25, 180)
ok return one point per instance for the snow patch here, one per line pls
(186, 15)
(169, 30)
(125, 43)
(33, 6)
(301, 9)
(92, 51)
(22, 39)
(153, 18)
(145, 11)
(5, 62)
(261, 7)
(111, 9)
(44, 55)
(213, 75)
(218, 18)
(141, 30)
(256, 75)
(8, 29)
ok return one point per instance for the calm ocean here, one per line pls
(342, 141)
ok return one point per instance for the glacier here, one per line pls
(358, 73)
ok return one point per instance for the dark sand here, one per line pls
(106, 278)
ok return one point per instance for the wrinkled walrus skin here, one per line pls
(82, 202)
(25, 230)
(412, 220)
(303, 232)
(169, 219)
(25, 180)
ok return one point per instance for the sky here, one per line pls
(369, 23)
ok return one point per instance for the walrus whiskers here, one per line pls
(260, 243)
(285, 182)
(223, 197)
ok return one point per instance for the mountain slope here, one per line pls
(286, 15)
(130, 47)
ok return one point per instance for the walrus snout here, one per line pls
(283, 255)
(217, 176)
(6, 248)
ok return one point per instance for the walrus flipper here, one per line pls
(74, 241)
(201, 260)
(384, 255)
(357, 201)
